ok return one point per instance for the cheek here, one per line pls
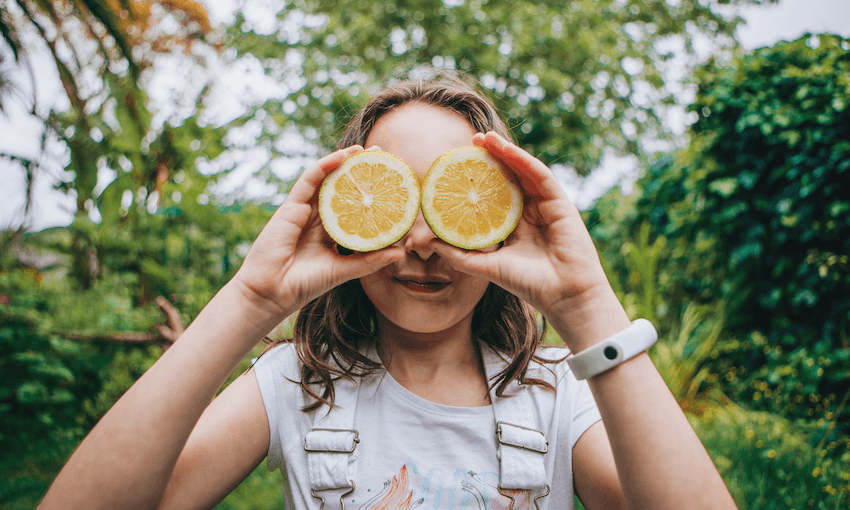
(374, 288)
(476, 291)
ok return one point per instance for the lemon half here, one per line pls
(370, 201)
(469, 199)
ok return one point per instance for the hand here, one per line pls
(549, 260)
(293, 260)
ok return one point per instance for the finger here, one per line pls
(308, 184)
(479, 140)
(357, 264)
(536, 178)
(473, 263)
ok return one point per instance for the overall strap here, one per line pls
(331, 443)
(521, 444)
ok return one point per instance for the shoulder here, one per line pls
(280, 353)
(554, 368)
(278, 364)
(572, 403)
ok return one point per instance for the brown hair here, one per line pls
(330, 329)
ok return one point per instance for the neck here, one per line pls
(444, 367)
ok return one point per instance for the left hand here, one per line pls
(549, 260)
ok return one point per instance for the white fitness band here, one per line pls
(609, 353)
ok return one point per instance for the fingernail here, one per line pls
(342, 250)
(374, 148)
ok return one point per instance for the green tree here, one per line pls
(155, 234)
(100, 50)
(572, 77)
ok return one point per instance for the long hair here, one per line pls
(330, 329)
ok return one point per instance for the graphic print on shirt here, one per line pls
(489, 497)
(396, 495)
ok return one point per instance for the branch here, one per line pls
(117, 336)
(65, 75)
(168, 332)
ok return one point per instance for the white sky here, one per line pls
(20, 134)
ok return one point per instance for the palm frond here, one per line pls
(110, 22)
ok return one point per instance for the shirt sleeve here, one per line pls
(585, 412)
(276, 370)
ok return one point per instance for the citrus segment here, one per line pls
(370, 201)
(469, 200)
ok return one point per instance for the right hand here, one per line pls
(294, 260)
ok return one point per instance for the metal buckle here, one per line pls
(511, 506)
(523, 447)
(323, 450)
(341, 502)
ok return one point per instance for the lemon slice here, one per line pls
(370, 201)
(469, 199)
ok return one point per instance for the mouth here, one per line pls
(422, 284)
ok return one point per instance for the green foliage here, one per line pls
(688, 342)
(766, 460)
(53, 389)
(712, 234)
(262, 490)
(35, 381)
(770, 463)
(685, 356)
(57, 388)
(187, 250)
(755, 214)
(98, 50)
(572, 78)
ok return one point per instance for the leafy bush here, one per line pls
(754, 213)
(53, 389)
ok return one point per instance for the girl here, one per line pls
(414, 377)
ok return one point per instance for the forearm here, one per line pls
(127, 459)
(660, 461)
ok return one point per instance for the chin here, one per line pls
(418, 322)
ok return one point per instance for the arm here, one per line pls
(660, 460)
(550, 261)
(129, 458)
(595, 472)
(228, 443)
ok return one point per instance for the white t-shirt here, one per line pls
(414, 453)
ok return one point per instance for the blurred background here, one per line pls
(143, 145)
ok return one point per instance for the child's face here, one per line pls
(421, 293)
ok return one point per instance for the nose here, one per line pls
(418, 239)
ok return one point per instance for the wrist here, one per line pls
(589, 318)
(264, 314)
(637, 338)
